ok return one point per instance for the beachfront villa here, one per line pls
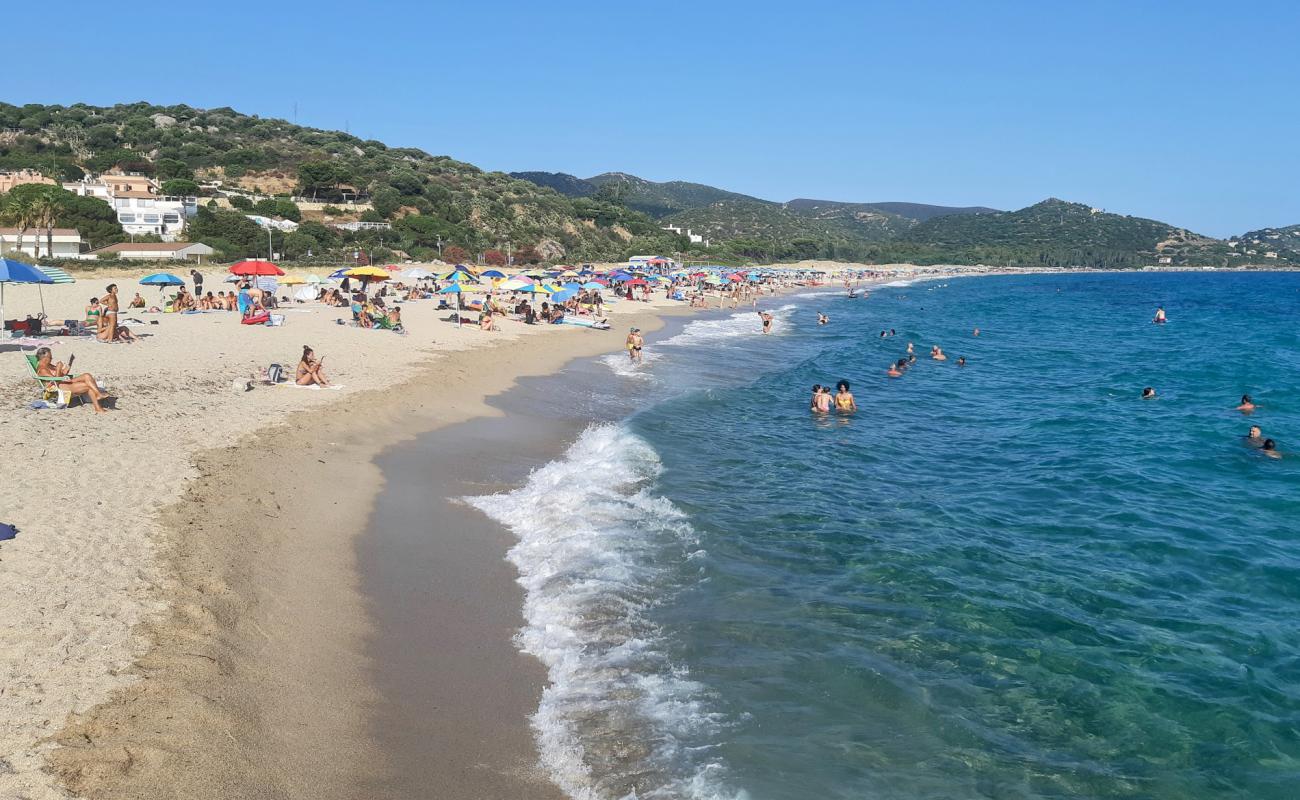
(59, 243)
(141, 206)
(156, 251)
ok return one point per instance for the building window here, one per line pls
(126, 217)
(150, 218)
(171, 219)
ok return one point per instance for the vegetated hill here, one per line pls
(919, 212)
(661, 199)
(1283, 241)
(749, 219)
(1058, 233)
(562, 182)
(427, 198)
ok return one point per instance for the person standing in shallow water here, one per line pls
(1160, 316)
(844, 398)
(767, 321)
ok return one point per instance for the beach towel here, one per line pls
(7, 531)
(257, 320)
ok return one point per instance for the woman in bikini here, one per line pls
(84, 383)
(309, 369)
(844, 398)
(93, 314)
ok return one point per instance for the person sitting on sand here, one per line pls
(136, 302)
(309, 369)
(896, 369)
(1148, 393)
(93, 313)
(394, 318)
(1247, 405)
(84, 383)
(937, 354)
(844, 398)
(485, 320)
(1270, 449)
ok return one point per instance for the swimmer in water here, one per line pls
(1270, 449)
(1160, 316)
(1254, 437)
(822, 401)
(816, 391)
(896, 369)
(937, 354)
(961, 361)
(1247, 405)
(822, 319)
(844, 398)
(976, 333)
(767, 321)
(883, 334)
(1148, 393)
(910, 349)
(911, 359)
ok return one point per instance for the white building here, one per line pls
(286, 225)
(67, 242)
(158, 251)
(140, 205)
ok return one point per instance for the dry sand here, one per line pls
(168, 548)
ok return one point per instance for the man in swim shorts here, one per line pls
(767, 321)
(634, 345)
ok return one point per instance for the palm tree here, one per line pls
(45, 212)
(19, 213)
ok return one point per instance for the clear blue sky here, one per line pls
(1182, 111)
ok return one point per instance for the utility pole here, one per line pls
(440, 247)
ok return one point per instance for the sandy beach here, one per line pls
(201, 564)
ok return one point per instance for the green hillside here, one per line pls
(427, 198)
(919, 212)
(1283, 241)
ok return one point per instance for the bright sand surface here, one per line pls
(185, 565)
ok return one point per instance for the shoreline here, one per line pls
(192, 578)
(290, 579)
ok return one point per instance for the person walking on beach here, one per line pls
(766, 316)
(634, 345)
(844, 398)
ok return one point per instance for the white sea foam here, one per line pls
(596, 552)
(621, 365)
(742, 323)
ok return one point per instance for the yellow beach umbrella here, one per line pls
(292, 280)
(368, 273)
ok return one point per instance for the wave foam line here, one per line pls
(596, 552)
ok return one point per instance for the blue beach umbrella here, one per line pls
(17, 272)
(453, 288)
(563, 295)
(161, 279)
(592, 285)
(493, 273)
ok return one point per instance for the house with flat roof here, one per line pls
(17, 177)
(158, 251)
(141, 206)
(66, 242)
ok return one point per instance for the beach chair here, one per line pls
(49, 386)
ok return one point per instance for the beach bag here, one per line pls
(275, 320)
(275, 373)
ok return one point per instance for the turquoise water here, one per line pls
(1014, 579)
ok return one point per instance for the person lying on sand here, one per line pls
(309, 369)
(84, 383)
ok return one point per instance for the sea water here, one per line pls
(1012, 579)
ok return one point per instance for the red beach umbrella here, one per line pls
(636, 282)
(255, 268)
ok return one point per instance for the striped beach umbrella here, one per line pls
(57, 275)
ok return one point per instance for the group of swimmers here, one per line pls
(1255, 436)
(822, 399)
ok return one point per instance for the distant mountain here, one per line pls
(919, 212)
(1285, 242)
(1056, 232)
(562, 182)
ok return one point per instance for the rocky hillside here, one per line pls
(427, 198)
